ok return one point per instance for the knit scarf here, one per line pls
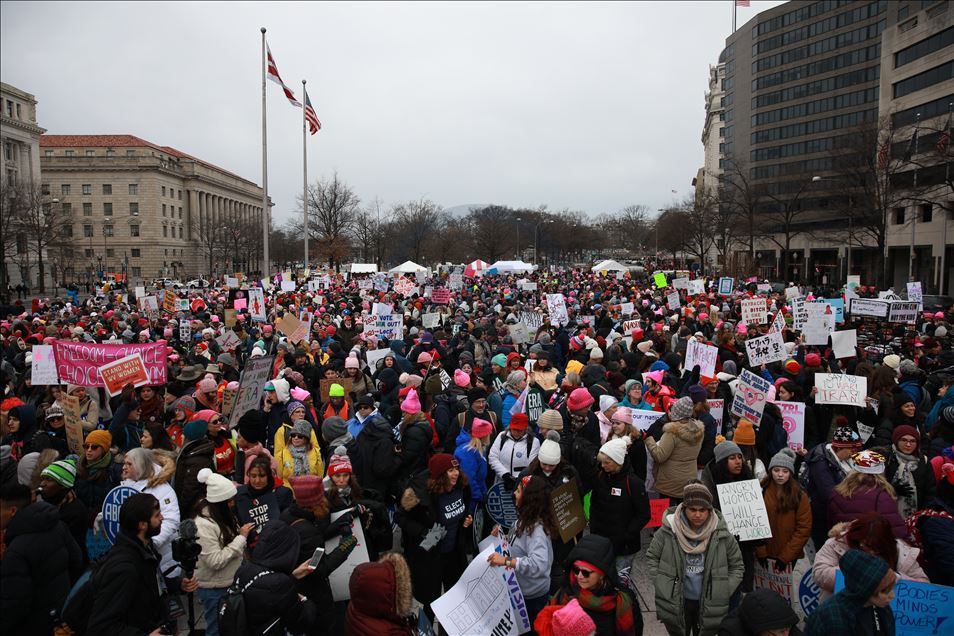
(100, 464)
(907, 464)
(602, 603)
(692, 541)
(300, 456)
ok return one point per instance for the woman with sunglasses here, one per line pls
(531, 548)
(299, 456)
(594, 583)
(222, 441)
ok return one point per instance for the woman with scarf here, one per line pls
(696, 565)
(344, 492)
(904, 412)
(633, 396)
(98, 473)
(299, 456)
(594, 583)
(908, 470)
(151, 405)
(293, 412)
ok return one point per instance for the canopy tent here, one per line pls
(364, 268)
(408, 267)
(477, 268)
(609, 266)
(506, 267)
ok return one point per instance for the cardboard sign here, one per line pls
(657, 507)
(843, 343)
(725, 286)
(568, 510)
(769, 579)
(440, 296)
(519, 333)
(703, 355)
(750, 396)
(904, 311)
(228, 341)
(643, 419)
(388, 326)
(430, 320)
(326, 386)
(256, 304)
(696, 287)
(73, 422)
(680, 283)
(256, 373)
(659, 278)
(717, 411)
(754, 311)
(793, 421)
(169, 301)
(293, 328)
(920, 609)
(339, 578)
(765, 349)
(778, 323)
(228, 401)
(231, 316)
(111, 506)
(43, 366)
(869, 307)
(118, 373)
(743, 509)
(835, 388)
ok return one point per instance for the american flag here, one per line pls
(741, 3)
(313, 124)
(275, 77)
(883, 154)
(945, 139)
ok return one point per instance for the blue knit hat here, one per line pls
(196, 429)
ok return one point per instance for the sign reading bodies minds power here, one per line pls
(79, 362)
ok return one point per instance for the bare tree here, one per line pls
(42, 221)
(419, 222)
(368, 232)
(211, 239)
(742, 197)
(783, 218)
(701, 215)
(490, 231)
(9, 210)
(286, 244)
(671, 231)
(333, 207)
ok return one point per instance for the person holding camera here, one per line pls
(222, 541)
(130, 594)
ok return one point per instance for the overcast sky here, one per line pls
(591, 106)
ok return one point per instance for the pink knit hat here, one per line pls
(481, 428)
(461, 379)
(300, 394)
(579, 399)
(571, 620)
(411, 403)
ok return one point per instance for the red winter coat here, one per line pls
(380, 599)
(867, 500)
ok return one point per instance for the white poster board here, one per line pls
(43, 366)
(765, 349)
(703, 355)
(843, 343)
(341, 575)
(478, 603)
(717, 411)
(556, 305)
(837, 388)
(793, 421)
(643, 419)
(744, 509)
(696, 287)
(750, 396)
(754, 311)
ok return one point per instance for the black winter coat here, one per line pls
(415, 448)
(619, 508)
(375, 461)
(924, 482)
(194, 457)
(40, 565)
(126, 594)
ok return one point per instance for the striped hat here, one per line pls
(339, 462)
(62, 472)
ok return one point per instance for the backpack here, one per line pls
(74, 616)
(233, 618)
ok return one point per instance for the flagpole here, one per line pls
(733, 15)
(914, 219)
(304, 167)
(266, 271)
(947, 179)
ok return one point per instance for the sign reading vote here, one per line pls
(744, 509)
(111, 505)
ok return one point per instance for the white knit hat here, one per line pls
(616, 449)
(550, 449)
(607, 402)
(217, 487)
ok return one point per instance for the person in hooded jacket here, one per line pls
(619, 506)
(197, 453)
(761, 612)
(695, 564)
(863, 606)
(151, 472)
(478, 406)
(471, 455)
(388, 385)
(904, 412)
(248, 446)
(40, 563)
(416, 437)
(21, 427)
(381, 598)
(676, 453)
(374, 458)
(593, 581)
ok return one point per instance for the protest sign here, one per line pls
(428, 290)
(126, 370)
(182, 304)
(79, 362)
(696, 287)
(680, 283)
(792, 292)
(556, 305)
(519, 333)
(455, 281)
(381, 309)
(626, 309)
(754, 311)
(384, 326)
(374, 355)
(763, 287)
(231, 282)
(869, 307)
(725, 286)
(440, 296)
(778, 323)
(744, 509)
(643, 419)
(629, 325)
(287, 324)
(568, 510)
(365, 283)
(843, 343)
(169, 301)
(140, 292)
(659, 278)
(111, 505)
(838, 306)
(765, 349)
(43, 366)
(228, 341)
(231, 317)
(717, 410)
(405, 287)
(903, 311)
(534, 405)
(479, 603)
(819, 327)
(149, 303)
(325, 386)
(770, 579)
(341, 575)
(430, 320)
(657, 507)
(672, 301)
(702, 355)
(793, 421)
(228, 401)
(914, 292)
(256, 304)
(72, 421)
(750, 396)
(256, 373)
(835, 388)
(919, 608)
(500, 506)
(288, 285)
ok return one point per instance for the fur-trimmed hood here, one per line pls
(409, 500)
(166, 468)
(690, 431)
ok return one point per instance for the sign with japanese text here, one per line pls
(837, 388)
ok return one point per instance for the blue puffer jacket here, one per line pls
(940, 405)
(474, 465)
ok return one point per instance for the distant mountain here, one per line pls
(460, 211)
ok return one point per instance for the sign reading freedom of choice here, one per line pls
(79, 362)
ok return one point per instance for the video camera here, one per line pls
(185, 549)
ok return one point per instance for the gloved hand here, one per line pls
(98, 524)
(903, 490)
(340, 526)
(433, 537)
(509, 482)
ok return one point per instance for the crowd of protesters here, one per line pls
(411, 445)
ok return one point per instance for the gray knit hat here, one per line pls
(302, 427)
(681, 410)
(550, 420)
(696, 494)
(725, 449)
(785, 458)
(333, 427)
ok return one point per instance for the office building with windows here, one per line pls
(150, 211)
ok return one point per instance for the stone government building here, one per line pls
(146, 210)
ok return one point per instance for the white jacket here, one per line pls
(160, 488)
(217, 565)
(509, 456)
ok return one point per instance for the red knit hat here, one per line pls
(901, 431)
(579, 399)
(339, 462)
(440, 464)
(308, 490)
(519, 422)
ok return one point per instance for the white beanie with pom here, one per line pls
(550, 453)
(217, 487)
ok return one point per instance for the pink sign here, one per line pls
(79, 362)
(657, 507)
(440, 296)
